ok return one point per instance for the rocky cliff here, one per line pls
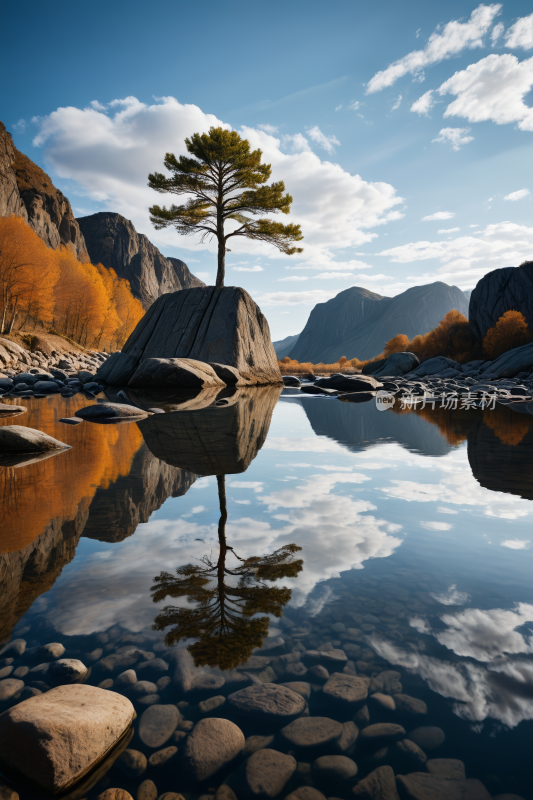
(113, 241)
(507, 289)
(358, 323)
(27, 191)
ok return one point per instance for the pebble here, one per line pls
(143, 688)
(306, 793)
(335, 768)
(423, 786)
(255, 743)
(333, 657)
(10, 688)
(108, 683)
(206, 706)
(132, 762)
(378, 785)
(66, 670)
(161, 757)
(5, 671)
(267, 701)
(115, 794)
(310, 732)
(265, 774)
(126, 678)
(300, 687)
(157, 724)
(154, 668)
(171, 796)
(410, 705)
(345, 690)
(383, 700)
(348, 737)
(49, 652)
(147, 791)
(21, 672)
(382, 732)
(411, 752)
(163, 683)
(212, 744)
(148, 700)
(428, 738)
(450, 768)
(319, 673)
(14, 648)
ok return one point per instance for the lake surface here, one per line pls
(415, 532)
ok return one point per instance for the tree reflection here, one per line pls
(225, 620)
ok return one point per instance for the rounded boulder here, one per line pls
(267, 701)
(212, 744)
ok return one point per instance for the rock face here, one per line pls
(358, 323)
(113, 241)
(56, 738)
(511, 363)
(507, 289)
(27, 191)
(214, 326)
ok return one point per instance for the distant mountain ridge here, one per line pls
(357, 323)
(113, 241)
(284, 346)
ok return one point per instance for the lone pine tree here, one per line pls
(226, 181)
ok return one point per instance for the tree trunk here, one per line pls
(223, 549)
(221, 271)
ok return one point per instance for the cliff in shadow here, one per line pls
(27, 191)
(361, 426)
(113, 241)
(358, 323)
(115, 512)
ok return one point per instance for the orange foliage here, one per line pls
(399, 344)
(87, 303)
(289, 367)
(508, 426)
(511, 330)
(66, 482)
(453, 425)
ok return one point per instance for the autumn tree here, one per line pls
(399, 344)
(228, 599)
(27, 274)
(511, 330)
(226, 183)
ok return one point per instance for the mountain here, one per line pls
(284, 346)
(358, 323)
(113, 241)
(27, 191)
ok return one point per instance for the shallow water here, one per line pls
(414, 531)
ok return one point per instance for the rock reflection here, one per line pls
(218, 440)
(227, 599)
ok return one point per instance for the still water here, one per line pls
(404, 540)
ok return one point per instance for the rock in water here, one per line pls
(7, 410)
(378, 785)
(172, 373)
(212, 744)
(507, 289)
(18, 439)
(54, 739)
(267, 701)
(157, 724)
(420, 785)
(264, 775)
(110, 412)
(205, 324)
(349, 383)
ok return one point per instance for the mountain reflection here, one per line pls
(228, 599)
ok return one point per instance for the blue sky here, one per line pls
(98, 92)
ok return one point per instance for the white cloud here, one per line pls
(424, 104)
(257, 268)
(521, 33)
(436, 526)
(501, 244)
(497, 32)
(316, 444)
(442, 510)
(343, 275)
(474, 225)
(439, 215)
(454, 136)
(519, 195)
(110, 152)
(308, 298)
(448, 230)
(355, 105)
(451, 597)
(257, 486)
(442, 44)
(297, 142)
(516, 544)
(338, 108)
(204, 276)
(20, 126)
(327, 263)
(268, 128)
(492, 89)
(293, 278)
(397, 103)
(328, 143)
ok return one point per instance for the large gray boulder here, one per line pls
(436, 365)
(172, 373)
(507, 289)
(19, 439)
(205, 324)
(54, 739)
(349, 383)
(511, 363)
(396, 364)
